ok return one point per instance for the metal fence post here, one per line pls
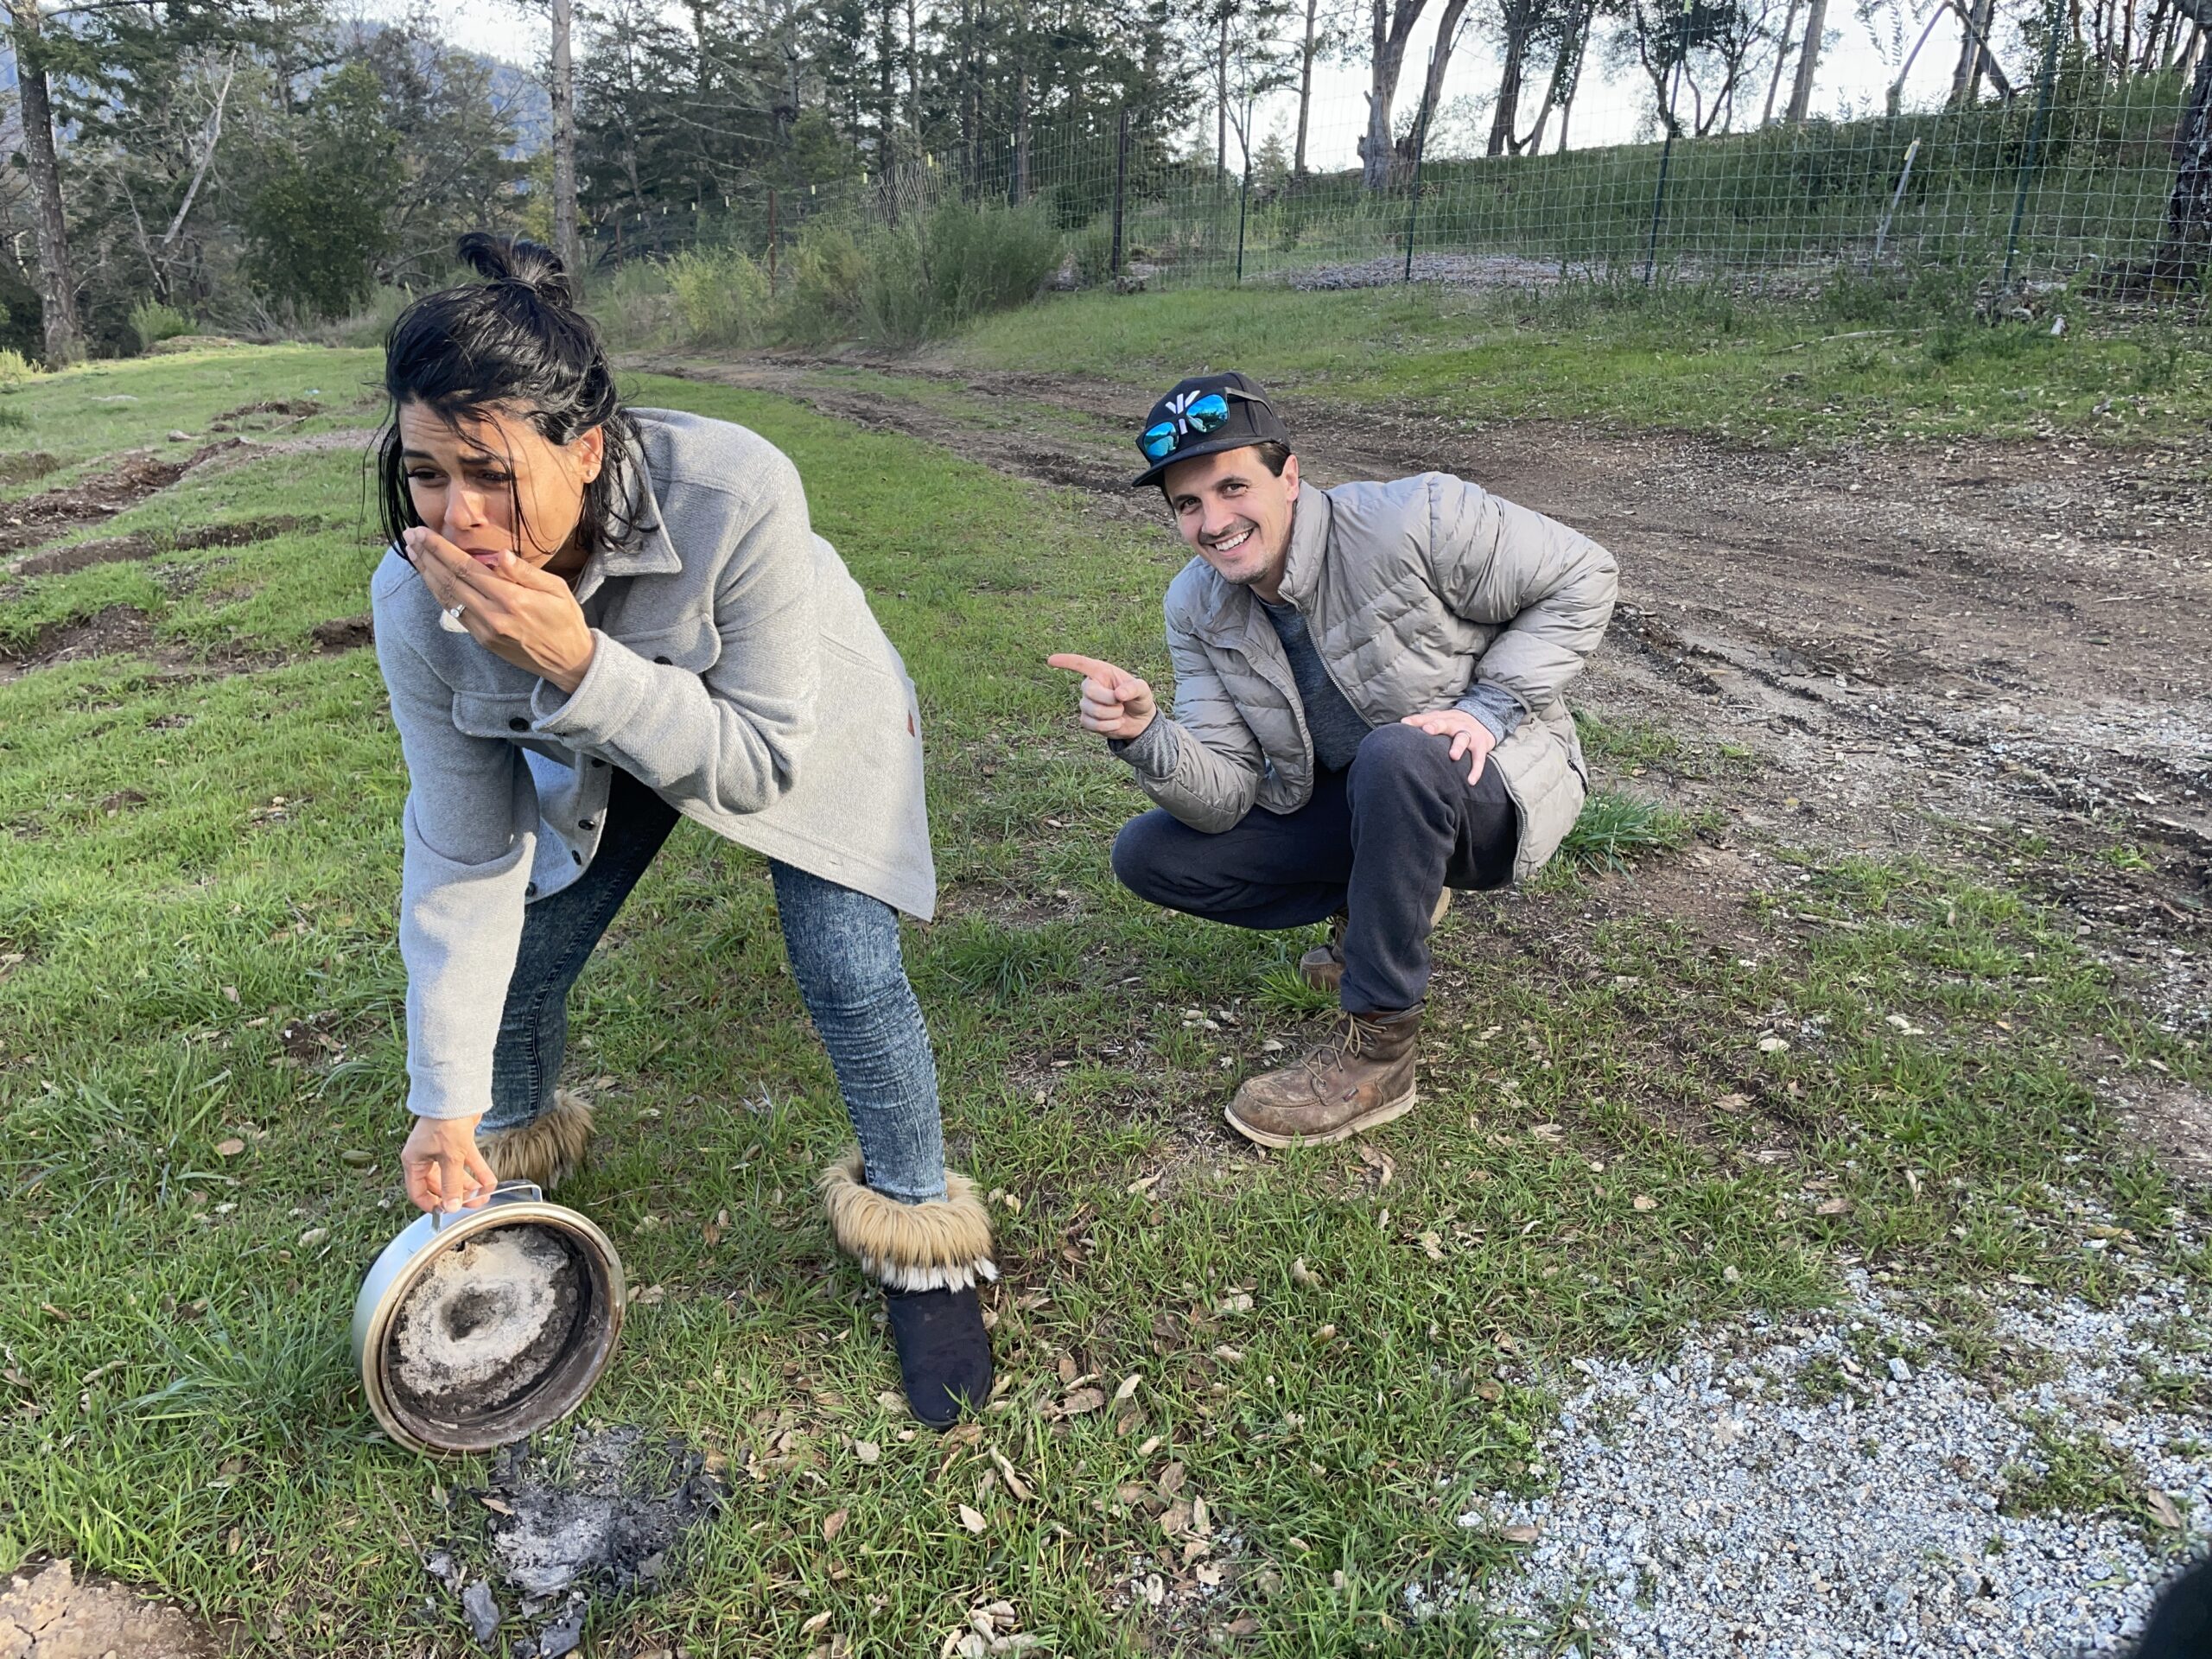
(1666, 150)
(1244, 202)
(1413, 205)
(2031, 155)
(1121, 187)
(1904, 177)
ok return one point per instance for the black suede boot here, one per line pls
(944, 1353)
(929, 1258)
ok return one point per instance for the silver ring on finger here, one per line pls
(449, 619)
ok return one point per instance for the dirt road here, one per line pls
(1998, 655)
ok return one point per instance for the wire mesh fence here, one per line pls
(2094, 181)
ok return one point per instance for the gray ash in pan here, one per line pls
(486, 1322)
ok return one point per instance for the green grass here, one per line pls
(1751, 372)
(198, 872)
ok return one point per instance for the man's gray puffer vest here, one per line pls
(1413, 591)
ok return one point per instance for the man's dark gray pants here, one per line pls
(1380, 840)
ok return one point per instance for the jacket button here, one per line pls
(531, 892)
(574, 853)
(517, 724)
(662, 660)
(583, 823)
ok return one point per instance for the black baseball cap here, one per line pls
(1204, 416)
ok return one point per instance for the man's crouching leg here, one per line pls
(1415, 823)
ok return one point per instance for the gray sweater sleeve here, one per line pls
(1493, 705)
(467, 846)
(733, 736)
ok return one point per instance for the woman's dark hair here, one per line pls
(517, 341)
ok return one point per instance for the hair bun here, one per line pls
(518, 259)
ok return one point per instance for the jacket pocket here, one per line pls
(1547, 791)
(691, 644)
(492, 714)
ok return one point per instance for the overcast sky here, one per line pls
(1853, 78)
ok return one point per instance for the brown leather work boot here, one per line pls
(1360, 1077)
(1322, 967)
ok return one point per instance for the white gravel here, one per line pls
(1718, 1505)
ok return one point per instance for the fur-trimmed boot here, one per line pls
(928, 1257)
(545, 1151)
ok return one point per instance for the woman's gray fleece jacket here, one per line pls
(737, 671)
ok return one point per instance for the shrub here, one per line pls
(152, 322)
(634, 308)
(722, 297)
(16, 369)
(931, 276)
(827, 269)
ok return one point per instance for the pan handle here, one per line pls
(504, 1192)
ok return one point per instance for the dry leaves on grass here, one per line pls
(972, 1518)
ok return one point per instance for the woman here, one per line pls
(595, 619)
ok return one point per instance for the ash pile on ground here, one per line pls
(1803, 1488)
(589, 1514)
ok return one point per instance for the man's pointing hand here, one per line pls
(1115, 703)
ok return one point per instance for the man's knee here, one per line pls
(1141, 858)
(1400, 754)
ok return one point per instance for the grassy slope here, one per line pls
(173, 1318)
(1687, 360)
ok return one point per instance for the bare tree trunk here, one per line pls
(1562, 65)
(1432, 90)
(1020, 186)
(1392, 27)
(1809, 62)
(1788, 39)
(1221, 102)
(913, 77)
(1509, 81)
(562, 95)
(57, 281)
(2186, 247)
(1307, 54)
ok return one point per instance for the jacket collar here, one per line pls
(644, 548)
(1309, 543)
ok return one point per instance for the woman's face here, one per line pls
(490, 484)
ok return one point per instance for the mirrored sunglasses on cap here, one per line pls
(1194, 414)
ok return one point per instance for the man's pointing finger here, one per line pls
(1091, 667)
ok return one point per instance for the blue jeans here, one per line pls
(1379, 841)
(844, 954)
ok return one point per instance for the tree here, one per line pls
(2185, 245)
(57, 285)
(1809, 62)
(322, 217)
(456, 136)
(1390, 25)
(1327, 27)
(561, 88)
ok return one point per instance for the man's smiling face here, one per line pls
(1234, 513)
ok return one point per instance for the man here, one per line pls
(1367, 715)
